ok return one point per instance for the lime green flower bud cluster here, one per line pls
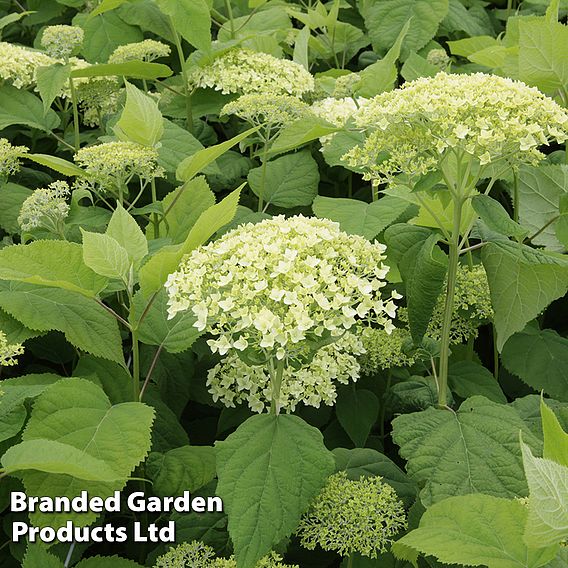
(245, 71)
(18, 65)
(147, 50)
(271, 560)
(438, 57)
(351, 516)
(383, 351)
(262, 109)
(345, 85)
(46, 208)
(9, 351)
(485, 118)
(62, 41)
(10, 158)
(232, 381)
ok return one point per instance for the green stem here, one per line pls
(230, 14)
(350, 562)
(515, 197)
(155, 218)
(181, 57)
(276, 384)
(135, 365)
(77, 139)
(453, 261)
(263, 175)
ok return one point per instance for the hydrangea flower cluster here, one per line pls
(353, 516)
(337, 111)
(46, 208)
(147, 50)
(232, 381)
(262, 109)
(61, 41)
(112, 165)
(345, 85)
(10, 158)
(245, 71)
(9, 351)
(97, 96)
(384, 351)
(485, 117)
(275, 285)
(438, 57)
(18, 65)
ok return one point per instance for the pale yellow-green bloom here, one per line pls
(46, 208)
(61, 41)
(384, 351)
(147, 50)
(438, 57)
(10, 158)
(345, 85)
(9, 351)
(18, 64)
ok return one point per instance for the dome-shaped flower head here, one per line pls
(147, 50)
(19, 64)
(271, 560)
(193, 554)
(46, 208)
(9, 351)
(486, 119)
(272, 289)
(245, 71)
(10, 158)
(351, 516)
(62, 41)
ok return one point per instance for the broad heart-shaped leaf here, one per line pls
(493, 214)
(50, 263)
(191, 19)
(368, 462)
(141, 120)
(77, 414)
(385, 19)
(133, 69)
(15, 392)
(174, 335)
(290, 181)
(21, 107)
(360, 218)
(522, 281)
(540, 359)
(182, 469)
(12, 197)
(476, 530)
(51, 81)
(547, 522)
(113, 378)
(473, 450)
(38, 557)
(124, 229)
(555, 438)
(155, 272)
(467, 378)
(357, 411)
(175, 145)
(105, 256)
(259, 467)
(86, 325)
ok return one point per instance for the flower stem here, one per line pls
(135, 365)
(263, 177)
(350, 562)
(77, 139)
(230, 14)
(276, 384)
(155, 218)
(181, 57)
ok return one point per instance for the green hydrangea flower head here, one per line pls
(10, 158)
(97, 96)
(62, 41)
(270, 289)
(345, 85)
(245, 71)
(260, 109)
(351, 516)
(193, 554)
(232, 381)
(489, 119)
(383, 351)
(438, 57)
(9, 351)
(18, 64)
(46, 208)
(147, 50)
(271, 560)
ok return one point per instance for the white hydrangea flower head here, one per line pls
(261, 109)
(46, 208)
(232, 381)
(275, 287)
(487, 118)
(10, 158)
(61, 41)
(9, 351)
(245, 71)
(337, 111)
(147, 50)
(18, 64)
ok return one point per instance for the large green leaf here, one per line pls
(522, 281)
(124, 229)
(21, 107)
(259, 467)
(290, 181)
(357, 411)
(85, 324)
(58, 164)
(191, 19)
(176, 144)
(467, 378)
(555, 438)
(540, 359)
(38, 557)
(493, 214)
(103, 254)
(51, 81)
(12, 197)
(301, 132)
(133, 69)
(476, 530)
(473, 450)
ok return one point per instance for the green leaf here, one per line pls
(105, 256)
(561, 228)
(195, 163)
(50, 82)
(301, 132)
(191, 19)
(12, 197)
(141, 120)
(183, 469)
(176, 144)
(555, 439)
(467, 46)
(357, 411)
(124, 229)
(21, 107)
(106, 6)
(493, 214)
(476, 530)
(40, 263)
(547, 522)
(12, 18)
(38, 557)
(416, 66)
(113, 378)
(291, 180)
(58, 164)
(360, 218)
(467, 378)
(133, 69)
(85, 324)
(473, 450)
(258, 467)
(540, 359)
(523, 282)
